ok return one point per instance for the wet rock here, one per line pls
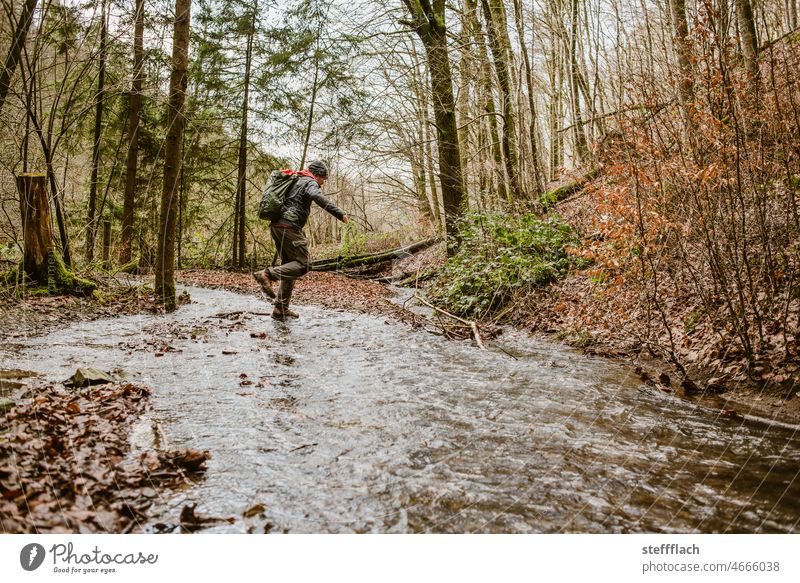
(731, 414)
(189, 459)
(190, 521)
(85, 377)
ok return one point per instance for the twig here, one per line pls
(226, 315)
(475, 334)
(305, 445)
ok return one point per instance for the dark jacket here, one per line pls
(297, 204)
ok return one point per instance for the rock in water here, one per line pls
(85, 377)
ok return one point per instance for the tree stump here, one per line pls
(41, 263)
(37, 231)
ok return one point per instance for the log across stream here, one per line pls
(344, 422)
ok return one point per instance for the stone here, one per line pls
(85, 377)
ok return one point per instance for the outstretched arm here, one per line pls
(315, 192)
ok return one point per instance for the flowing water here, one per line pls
(343, 422)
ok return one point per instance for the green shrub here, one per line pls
(354, 241)
(499, 257)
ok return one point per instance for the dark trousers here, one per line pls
(292, 247)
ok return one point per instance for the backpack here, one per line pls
(280, 183)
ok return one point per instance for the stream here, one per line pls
(344, 422)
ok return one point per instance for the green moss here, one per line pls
(551, 198)
(691, 321)
(9, 277)
(576, 337)
(60, 280)
(131, 267)
(38, 291)
(99, 296)
(167, 296)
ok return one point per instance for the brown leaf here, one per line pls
(254, 511)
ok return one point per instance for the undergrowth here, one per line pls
(499, 257)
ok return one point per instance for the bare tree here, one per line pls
(133, 125)
(494, 13)
(173, 152)
(747, 31)
(680, 30)
(241, 176)
(536, 162)
(14, 51)
(91, 221)
(428, 21)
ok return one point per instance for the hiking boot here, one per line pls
(284, 314)
(265, 282)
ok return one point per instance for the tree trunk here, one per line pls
(538, 172)
(40, 261)
(314, 88)
(465, 75)
(241, 177)
(680, 29)
(133, 123)
(51, 176)
(485, 93)
(106, 242)
(37, 234)
(581, 147)
(335, 263)
(91, 222)
(429, 23)
(747, 31)
(419, 148)
(427, 153)
(555, 71)
(497, 27)
(12, 58)
(173, 151)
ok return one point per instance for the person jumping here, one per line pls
(290, 240)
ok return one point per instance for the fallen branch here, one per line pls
(332, 264)
(474, 327)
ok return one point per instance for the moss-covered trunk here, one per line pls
(41, 263)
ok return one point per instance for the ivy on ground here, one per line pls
(499, 257)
